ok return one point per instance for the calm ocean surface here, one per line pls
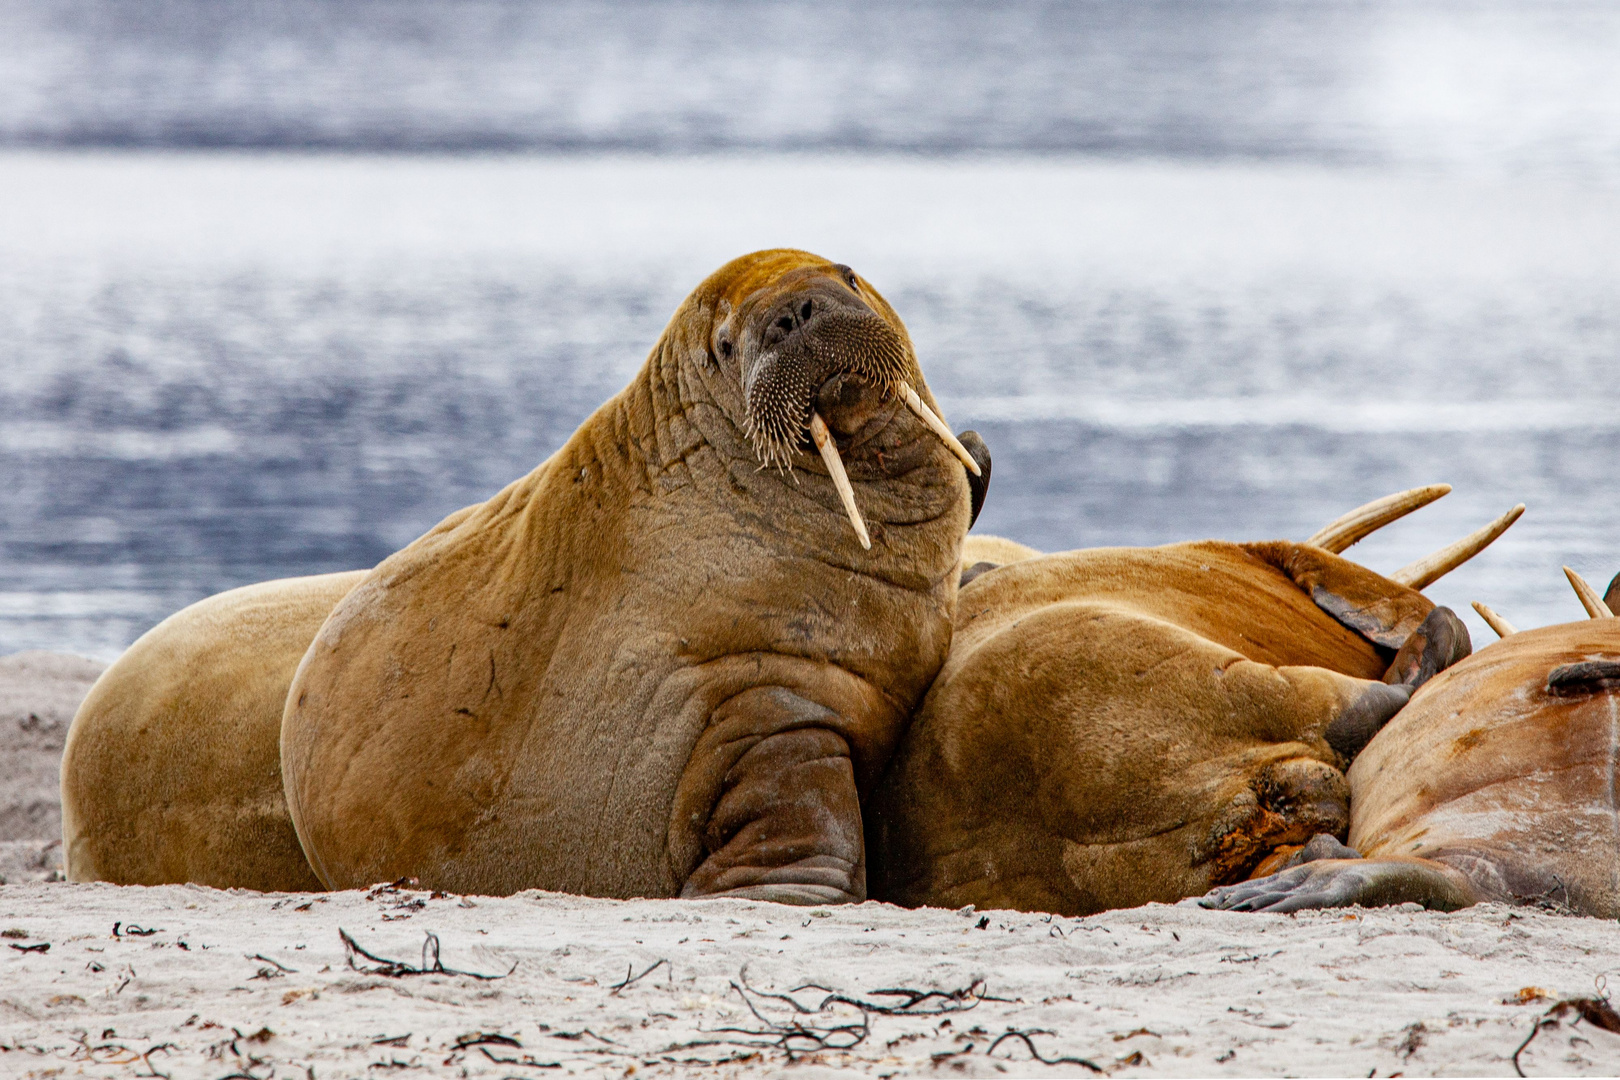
(1193, 270)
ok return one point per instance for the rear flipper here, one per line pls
(1342, 882)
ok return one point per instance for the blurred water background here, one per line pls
(283, 283)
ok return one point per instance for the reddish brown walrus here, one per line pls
(1122, 725)
(1496, 783)
(652, 667)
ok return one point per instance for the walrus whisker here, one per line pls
(1431, 568)
(1590, 600)
(1363, 521)
(935, 424)
(840, 479)
(1502, 627)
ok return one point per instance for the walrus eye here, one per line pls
(725, 348)
(849, 277)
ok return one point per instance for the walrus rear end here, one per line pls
(171, 771)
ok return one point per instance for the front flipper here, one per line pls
(1439, 641)
(1427, 639)
(787, 824)
(1327, 883)
(1375, 607)
(1354, 727)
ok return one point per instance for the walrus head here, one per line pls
(815, 356)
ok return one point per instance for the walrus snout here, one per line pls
(1285, 804)
(803, 342)
(848, 402)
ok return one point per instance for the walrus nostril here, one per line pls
(806, 309)
(785, 324)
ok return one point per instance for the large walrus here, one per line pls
(1496, 783)
(1115, 726)
(674, 658)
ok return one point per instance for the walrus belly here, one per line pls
(172, 772)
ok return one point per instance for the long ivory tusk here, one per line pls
(937, 426)
(1590, 600)
(1431, 568)
(1363, 521)
(840, 479)
(1502, 627)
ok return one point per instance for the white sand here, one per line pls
(1192, 992)
(247, 984)
(39, 692)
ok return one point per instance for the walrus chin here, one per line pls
(818, 363)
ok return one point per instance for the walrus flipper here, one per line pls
(1375, 607)
(1327, 883)
(979, 485)
(1353, 728)
(1439, 641)
(787, 825)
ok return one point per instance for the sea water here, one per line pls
(221, 368)
(284, 282)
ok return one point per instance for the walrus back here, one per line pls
(171, 772)
(1223, 592)
(1489, 759)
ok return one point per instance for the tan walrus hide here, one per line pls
(1115, 726)
(673, 652)
(673, 658)
(1496, 783)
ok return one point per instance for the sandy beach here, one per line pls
(101, 980)
(183, 981)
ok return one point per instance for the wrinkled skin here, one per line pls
(171, 772)
(1496, 783)
(1116, 726)
(652, 667)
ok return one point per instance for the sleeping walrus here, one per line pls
(1495, 783)
(674, 658)
(1115, 726)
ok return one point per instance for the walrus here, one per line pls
(172, 770)
(1495, 783)
(1115, 726)
(674, 658)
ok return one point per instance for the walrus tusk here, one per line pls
(1431, 568)
(1502, 627)
(1590, 600)
(937, 426)
(1363, 521)
(840, 479)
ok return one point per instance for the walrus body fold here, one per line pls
(1495, 783)
(171, 770)
(1115, 726)
(652, 667)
